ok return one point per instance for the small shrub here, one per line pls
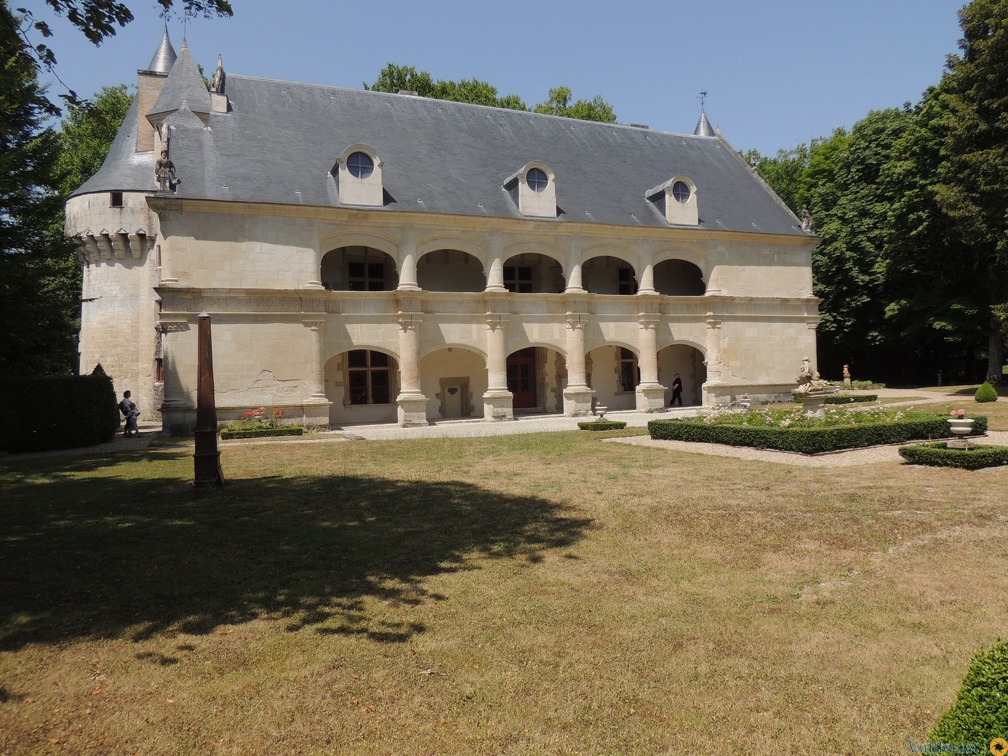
(939, 455)
(851, 398)
(602, 425)
(866, 385)
(980, 711)
(986, 393)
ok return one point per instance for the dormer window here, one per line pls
(358, 174)
(360, 165)
(533, 190)
(676, 201)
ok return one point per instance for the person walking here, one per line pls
(131, 413)
(676, 391)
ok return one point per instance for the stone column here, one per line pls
(412, 403)
(574, 284)
(713, 361)
(647, 272)
(495, 275)
(650, 393)
(577, 395)
(498, 402)
(407, 261)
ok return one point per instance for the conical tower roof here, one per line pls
(165, 56)
(703, 127)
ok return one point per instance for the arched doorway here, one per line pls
(536, 378)
(688, 362)
(358, 269)
(679, 278)
(533, 273)
(450, 270)
(608, 275)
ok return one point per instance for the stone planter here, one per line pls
(960, 427)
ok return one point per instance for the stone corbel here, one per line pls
(138, 243)
(104, 243)
(120, 243)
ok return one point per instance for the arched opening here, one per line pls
(536, 377)
(358, 269)
(533, 274)
(608, 275)
(688, 362)
(612, 373)
(450, 270)
(679, 278)
(362, 385)
(454, 380)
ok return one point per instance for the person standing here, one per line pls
(676, 391)
(131, 413)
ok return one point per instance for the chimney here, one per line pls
(149, 84)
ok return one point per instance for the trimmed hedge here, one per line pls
(602, 425)
(851, 398)
(980, 711)
(806, 440)
(283, 430)
(986, 393)
(939, 455)
(58, 412)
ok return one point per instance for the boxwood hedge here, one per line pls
(806, 440)
(283, 430)
(980, 711)
(602, 425)
(851, 398)
(939, 455)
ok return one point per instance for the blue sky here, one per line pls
(777, 72)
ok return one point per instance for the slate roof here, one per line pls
(280, 141)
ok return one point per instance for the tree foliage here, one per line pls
(395, 78)
(38, 301)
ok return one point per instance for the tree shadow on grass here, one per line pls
(107, 557)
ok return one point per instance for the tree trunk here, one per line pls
(995, 351)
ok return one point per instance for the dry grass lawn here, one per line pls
(511, 595)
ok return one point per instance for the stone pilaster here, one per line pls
(713, 361)
(316, 406)
(498, 402)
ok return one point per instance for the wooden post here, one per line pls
(206, 460)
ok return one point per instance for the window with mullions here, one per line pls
(365, 276)
(537, 179)
(369, 377)
(629, 374)
(518, 278)
(360, 165)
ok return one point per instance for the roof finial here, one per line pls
(703, 96)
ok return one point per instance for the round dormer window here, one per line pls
(360, 165)
(681, 192)
(537, 179)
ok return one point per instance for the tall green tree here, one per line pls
(394, 78)
(973, 190)
(38, 309)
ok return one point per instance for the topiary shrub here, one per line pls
(602, 425)
(986, 393)
(939, 455)
(980, 711)
(851, 398)
(282, 430)
(58, 412)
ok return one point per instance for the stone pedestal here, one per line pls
(498, 405)
(813, 401)
(412, 409)
(577, 401)
(650, 397)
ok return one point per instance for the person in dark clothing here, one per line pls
(676, 391)
(131, 413)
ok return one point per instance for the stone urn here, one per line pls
(960, 427)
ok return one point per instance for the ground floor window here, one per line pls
(369, 377)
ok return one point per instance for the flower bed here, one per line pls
(939, 455)
(602, 425)
(257, 423)
(833, 429)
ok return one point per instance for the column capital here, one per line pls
(313, 322)
(577, 320)
(495, 320)
(649, 319)
(409, 321)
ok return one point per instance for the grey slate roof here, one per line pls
(280, 141)
(184, 84)
(164, 56)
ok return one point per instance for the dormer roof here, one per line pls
(184, 84)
